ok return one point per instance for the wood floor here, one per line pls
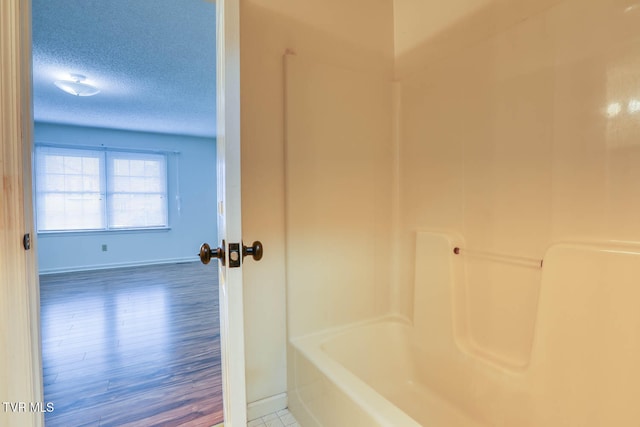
(132, 347)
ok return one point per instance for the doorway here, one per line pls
(121, 48)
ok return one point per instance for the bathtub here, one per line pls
(366, 375)
(563, 351)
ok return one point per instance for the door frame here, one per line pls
(20, 358)
(21, 362)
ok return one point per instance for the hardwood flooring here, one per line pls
(132, 347)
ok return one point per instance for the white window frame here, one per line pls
(107, 190)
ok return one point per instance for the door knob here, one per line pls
(255, 250)
(206, 253)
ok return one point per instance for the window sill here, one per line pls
(97, 232)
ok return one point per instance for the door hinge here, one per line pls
(26, 241)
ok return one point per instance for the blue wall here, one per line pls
(190, 226)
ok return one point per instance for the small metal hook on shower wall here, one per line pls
(512, 259)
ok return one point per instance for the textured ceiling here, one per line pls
(153, 61)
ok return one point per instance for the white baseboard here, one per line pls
(73, 269)
(267, 406)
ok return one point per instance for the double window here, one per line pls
(104, 189)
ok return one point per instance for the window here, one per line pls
(83, 189)
(136, 190)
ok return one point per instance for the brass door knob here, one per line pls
(255, 250)
(206, 253)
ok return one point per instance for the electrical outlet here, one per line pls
(104, 248)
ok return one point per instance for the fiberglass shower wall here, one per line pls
(519, 124)
(338, 178)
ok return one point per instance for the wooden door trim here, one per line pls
(20, 359)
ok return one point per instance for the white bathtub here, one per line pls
(558, 347)
(367, 375)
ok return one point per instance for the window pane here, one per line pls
(54, 164)
(73, 183)
(137, 210)
(68, 190)
(72, 165)
(62, 211)
(91, 184)
(54, 182)
(136, 167)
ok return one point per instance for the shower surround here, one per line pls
(508, 130)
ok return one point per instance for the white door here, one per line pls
(229, 214)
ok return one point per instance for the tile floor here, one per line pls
(282, 418)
